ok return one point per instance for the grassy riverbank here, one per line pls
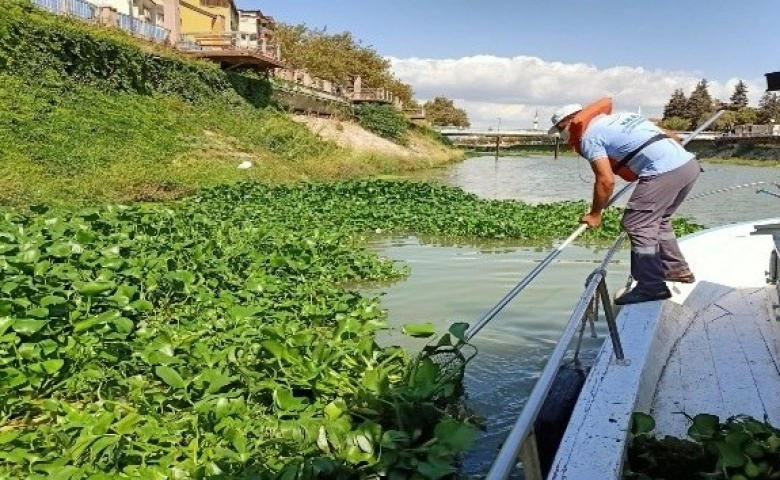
(78, 144)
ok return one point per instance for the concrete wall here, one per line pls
(172, 18)
(196, 20)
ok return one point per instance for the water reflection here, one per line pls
(459, 280)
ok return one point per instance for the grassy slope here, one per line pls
(64, 143)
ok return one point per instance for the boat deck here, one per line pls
(714, 347)
(727, 359)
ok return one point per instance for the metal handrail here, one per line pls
(596, 284)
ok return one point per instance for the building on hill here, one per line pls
(254, 27)
(208, 17)
(215, 30)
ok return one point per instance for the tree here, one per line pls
(699, 106)
(677, 106)
(739, 98)
(746, 116)
(441, 111)
(338, 58)
(769, 108)
(675, 123)
(725, 122)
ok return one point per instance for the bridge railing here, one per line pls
(73, 8)
(227, 41)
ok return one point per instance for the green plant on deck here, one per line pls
(384, 120)
(740, 448)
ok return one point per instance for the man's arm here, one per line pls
(602, 190)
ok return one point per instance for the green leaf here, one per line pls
(28, 326)
(170, 376)
(60, 250)
(754, 449)
(29, 256)
(52, 300)
(127, 424)
(38, 312)
(335, 409)
(458, 330)
(53, 366)
(642, 423)
(435, 469)
(161, 358)
(5, 322)
(91, 289)
(124, 325)
(285, 400)
(731, 456)
(457, 436)
(105, 317)
(8, 436)
(419, 329)
(278, 350)
(142, 305)
(704, 426)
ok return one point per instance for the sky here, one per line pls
(517, 60)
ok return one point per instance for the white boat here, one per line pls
(714, 348)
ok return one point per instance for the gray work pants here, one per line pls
(647, 222)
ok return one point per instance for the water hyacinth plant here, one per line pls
(215, 337)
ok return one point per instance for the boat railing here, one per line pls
(521, 441)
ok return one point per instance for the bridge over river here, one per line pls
(531, 135)
(488, 140)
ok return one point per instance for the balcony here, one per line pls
(373, 95)
(228, 48)
(414, 113)
(141, 28)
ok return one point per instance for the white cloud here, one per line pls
(513, 89)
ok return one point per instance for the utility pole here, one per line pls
(498, 137)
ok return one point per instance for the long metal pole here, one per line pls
(474, 329)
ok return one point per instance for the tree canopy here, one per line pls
(441, 111)
(769, 108)
(683, 114)
(739, 98)
(337, 57)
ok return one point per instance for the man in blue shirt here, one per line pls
(636, 149)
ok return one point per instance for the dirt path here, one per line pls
(351, 135)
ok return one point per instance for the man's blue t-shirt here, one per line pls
(619, 134)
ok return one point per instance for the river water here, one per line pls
(460, 283)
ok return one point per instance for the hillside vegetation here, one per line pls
(91, 115)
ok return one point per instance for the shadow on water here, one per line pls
(459, 280)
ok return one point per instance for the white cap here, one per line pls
(562, 113)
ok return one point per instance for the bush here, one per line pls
(47, 49)
(384, 120)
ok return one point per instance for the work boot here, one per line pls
(638, 296)
(680, 277)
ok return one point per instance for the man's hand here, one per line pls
(592, 220)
